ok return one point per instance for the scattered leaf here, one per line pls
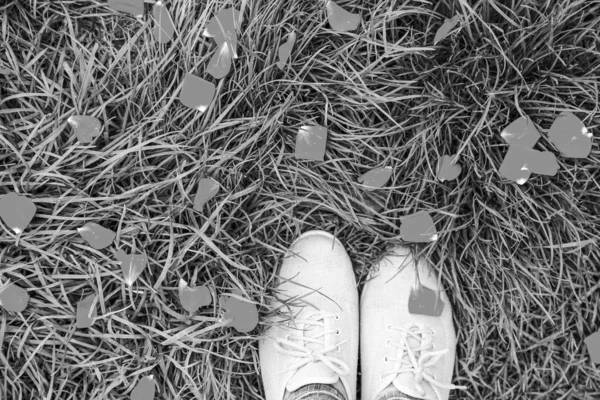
(85, 128)
(223, 29)
(132, 265)
(207, 189)
(424, 301)
(311, 142)
(521, 132)
(220, 63)
(376, 178)
(197, 93)
(145, 389)
(244, 314)
(520, 162)
(96, 236)
(133, 7)
(193, 298)
(86, 316)
(447, 170)
(570, 136)
(592, 343)
(286, 49)
(418, 228)
(13, 298)
(16, 211)
(444, 30)
(340, 19)
(164, 29)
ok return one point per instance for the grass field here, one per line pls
(520, 263)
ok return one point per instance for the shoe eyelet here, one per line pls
(433, 346)
(385, 359)
(287, 337)
(337, 317)
(432, 332)
(389, 327)
(380, 377)
(388, 342)
(337, 331)
(338, 349)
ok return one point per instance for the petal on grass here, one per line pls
(196, 93)
(311, 142)
(418, 228)
(376, 178)
(207, 189)
(85, 128)
(145, 389)
(133, 7)
(286, 49)
(132, 265)
(424, 301)
(445, 29)
(96, 236)
(244, 314)
(341, 20)
(570, 136)
(220, 63)
(592, 343)
(164, 29)
(86, 316)
(447, 170)
(13, 298)
(521, 132)
(224, 27)
(16, 211)
(193, 298)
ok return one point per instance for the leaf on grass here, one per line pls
(207, 189)
(570, 136)
(244, 314)
(145, 389)
(445, 29)
(424, 301)
(196, 93)
(311, 142)
(132, 265)
(447, 170)
(418, 228)
(592, 343)
(86, 316)
(133, 7)
(220, 63)
(16, 211)
(164, 29)
(286, 49)
(521, 132)
(13, 298)
(223, 28)
(96, 236)
(376, 178)
(193, 298)
(340, 19)
(85, 128)
(520, 162)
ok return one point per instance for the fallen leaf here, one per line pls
(193, 298)
(445, 29)
(196, 93)
(418, 228)
(521, 132)
(134, 7)
(164, 28)
(570, 136)
(85, 128)
(520, 162)
(207, 189)
(447, 170)
(145, 389)
(16, 211)
(13, 298)
(340, 19)
(244, 314)
(376, 178)
(424, 301)
(85, 315)
(223, 28)
(592, 343)
(220, 63)
(286, 49)
(132, 265)
(96, 236)
(311, 142)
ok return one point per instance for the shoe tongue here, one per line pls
(406, 382)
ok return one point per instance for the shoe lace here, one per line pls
(418, 366)
(308, 355)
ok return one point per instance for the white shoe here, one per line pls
(414, 353)
(320, 344)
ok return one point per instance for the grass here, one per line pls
(520, 263)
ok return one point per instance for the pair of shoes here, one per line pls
(413, 354)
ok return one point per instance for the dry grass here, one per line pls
(520, 263)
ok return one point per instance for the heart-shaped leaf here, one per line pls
(286, 49)
(16, 211)
(340, 19)
(445, 29)
(521, 132)
(96, 236)
(196, 93)
(86, 316)
(164, 29)
(133, 7)
(220, 63)
(145, 389)
(592, 343)
(570, 136)
(424, 301)
(244, 314)
(13, 298)
(311, 142)
(418, 228)
(520, 162)
(193, 298)
(207, 189)
(132, 265)
(447, 170)
(224, 28)
(376, 178)
(85, 128)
